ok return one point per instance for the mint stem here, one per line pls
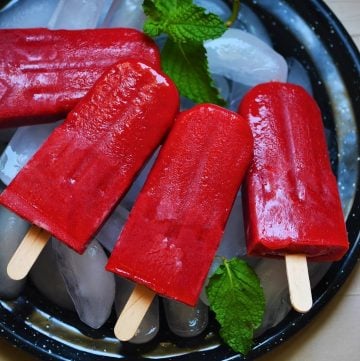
(234, 14)
(227, 267)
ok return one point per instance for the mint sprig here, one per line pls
(184, 56)
(186, 64)
(181, 20)
(238, 300)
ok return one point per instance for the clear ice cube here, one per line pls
(186, 321)
(28, 14)
(75, 14)
(90, 286)
(47, 278)
(13, 229)
(243, 58)
(149, 326)
(126, 14)
(22, 146)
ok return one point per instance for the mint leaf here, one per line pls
(186, 64)
(155, 11)
(192, 23)
(237, 298)
(150, 9)
(181, 20)
(184, 56)
(152, 28)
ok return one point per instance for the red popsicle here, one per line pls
(87, 164)
(176, 224)
(44, 73)
(291, 200)
(291, 195)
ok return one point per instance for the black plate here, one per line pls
(309, 31)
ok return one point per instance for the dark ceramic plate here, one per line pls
(308, 31)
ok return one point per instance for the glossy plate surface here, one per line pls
(308, 31)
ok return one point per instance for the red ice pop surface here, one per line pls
(44, 73)
(77, 177)
(175, 227)
(291, 199)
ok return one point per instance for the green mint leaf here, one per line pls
(191, 23)
(150, 9)
(181, 20)
(152, 28)
(237, 298)
(186, 64)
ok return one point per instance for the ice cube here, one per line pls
(90, 286)
(110, 231)
(149, 326)
(75, 14)
(134, 190)
(272, 274)
(203, 296)
(22, 146)
(13, 229)
(299, 75)
(104, 13)
(217, 7)
(237, 92)
(249, 21)
(222, 84)
(243, 58)
(126, 14)
(160, 40)
(28, 14)
(186, 321)
(232, 243)
(48, 280)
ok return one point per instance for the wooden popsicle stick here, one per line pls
(299, 282)
(133, 312)
(27, 252)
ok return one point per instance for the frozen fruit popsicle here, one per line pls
(44, 73)
(28, 139)
(176, 224)
(86, 165)
(290, 194)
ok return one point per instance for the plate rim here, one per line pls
(281, 333)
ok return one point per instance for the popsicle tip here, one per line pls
(303, 306)
(27, 253)
(14, 272)
(122, 333)
(299, 282)
(133, 313)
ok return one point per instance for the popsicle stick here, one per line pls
(27, 252)
(299, 282)
(133, 312)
